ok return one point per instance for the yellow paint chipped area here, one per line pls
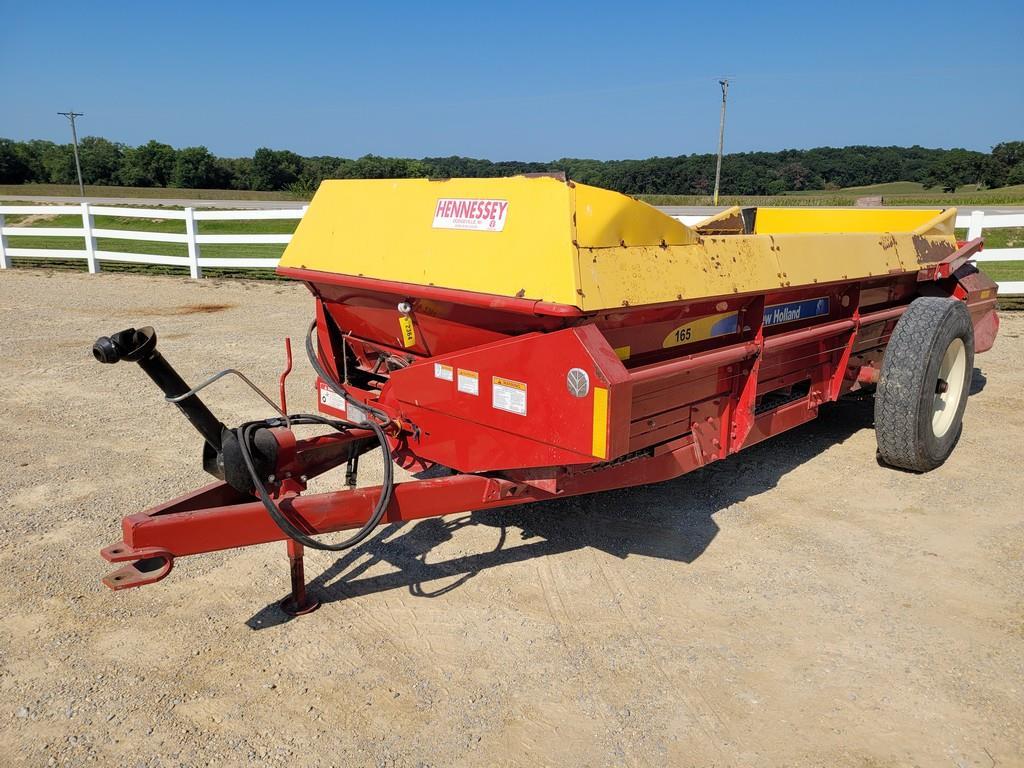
(594, 249)
(615, 277)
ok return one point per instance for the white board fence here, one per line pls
(978, 221)
(974, 221)
(193, 238)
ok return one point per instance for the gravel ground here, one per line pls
(794, 605)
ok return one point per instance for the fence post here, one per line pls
(90, 241)
(193, 247)
(977, 222)
(5, 260)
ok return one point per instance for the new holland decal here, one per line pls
(778, 314)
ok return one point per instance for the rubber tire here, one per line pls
(904, 398)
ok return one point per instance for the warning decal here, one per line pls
(469, 382)
(444, 372)
(480, 215)
(508, 395)
(330, 398)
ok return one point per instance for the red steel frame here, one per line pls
(671, 411)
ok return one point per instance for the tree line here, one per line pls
(156, 164)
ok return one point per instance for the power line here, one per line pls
(721, 136)
(74, 139)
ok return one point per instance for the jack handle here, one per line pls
(285, 372)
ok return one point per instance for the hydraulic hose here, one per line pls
(314, 361)
(245, 432)
(287, 527)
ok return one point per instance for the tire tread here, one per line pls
(897, 399)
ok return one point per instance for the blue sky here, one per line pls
(514, 80)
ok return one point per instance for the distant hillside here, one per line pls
(872, 170)
(892, 193)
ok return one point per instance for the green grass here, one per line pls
(1005, 237)
(260, 226)
(890, 188)
(904, 188)
(1003, 271)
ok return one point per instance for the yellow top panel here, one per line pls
(503, 236)
(608, 219)
(545, 239)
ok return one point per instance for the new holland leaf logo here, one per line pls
(578, 382)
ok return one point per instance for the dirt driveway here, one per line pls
(795, 605)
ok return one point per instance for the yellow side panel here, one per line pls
(777, 221)
(807, 259)
(727, 264)
(615, 277)
(385, 229)
(606, 219)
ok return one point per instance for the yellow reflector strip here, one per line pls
(623, 352)
(600, 441)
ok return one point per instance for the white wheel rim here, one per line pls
(949, 389)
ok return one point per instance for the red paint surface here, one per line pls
(669, 410)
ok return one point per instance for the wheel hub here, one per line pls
(949, 389)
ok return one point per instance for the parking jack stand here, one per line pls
(298, 603)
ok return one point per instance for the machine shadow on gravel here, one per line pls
(672, 520)
(978, 382)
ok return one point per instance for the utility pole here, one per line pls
(74, 139)
(721, 137)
